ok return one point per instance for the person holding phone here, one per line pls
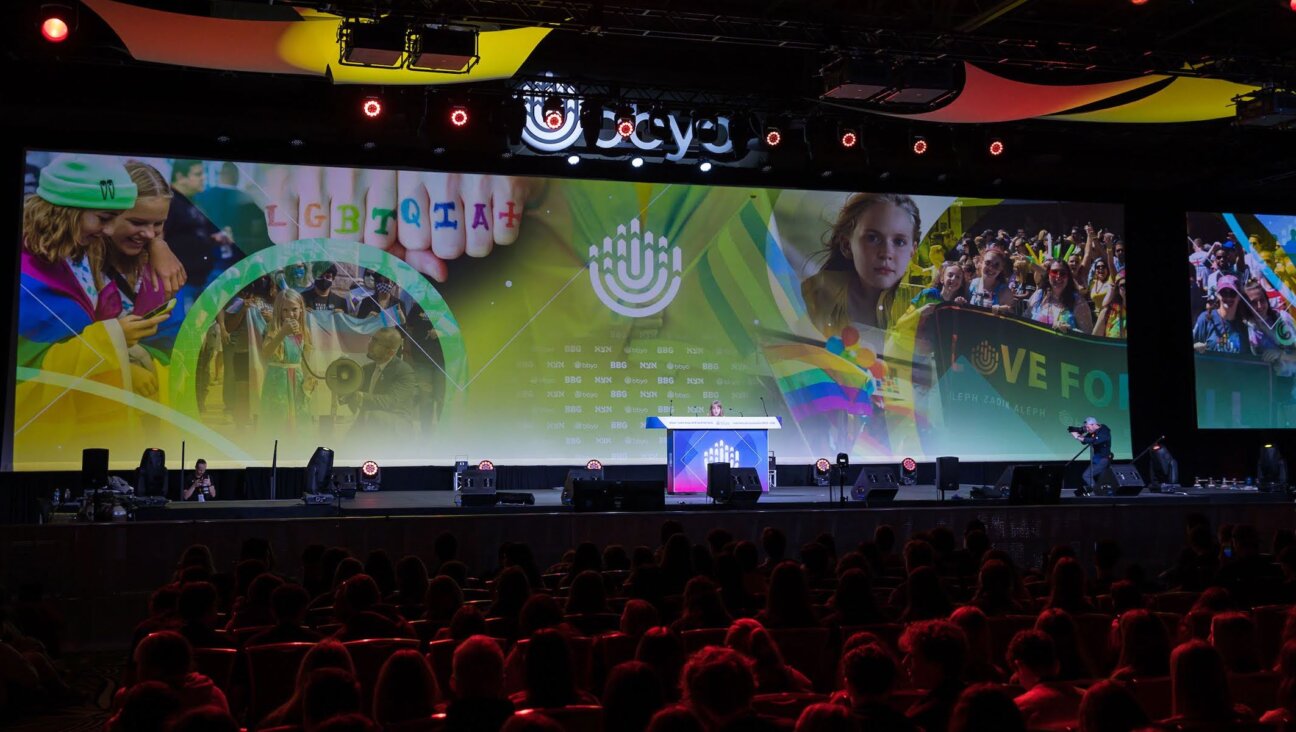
(201, 488)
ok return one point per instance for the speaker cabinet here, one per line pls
(618, 495)
(1031, 484)
(727, 484)
(1120, 480)
(875, 485)
(574, 475)
(94, 470)
(476, 487)
(947, 474)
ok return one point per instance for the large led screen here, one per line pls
(419, 317)
(1241, 280)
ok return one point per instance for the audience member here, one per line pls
(703, 607)
(1233, 635)
(980, 663)
(1285, 713)
(1074, 663)
(477, 680)
(1144, 647)
(827, 718)
(925, 599)
(853, 602)
(1199, 687)
(631, 696)
(773, 675)
(288, 606)
(167, 657)
(329, 692)
(550, 674)
(1067, 587)
(198, 620)
(1110, 706)
(406, 689)
(145, 707)
(787, 605)
(662, 649)
(935, 655)
(870, 675)
(718, 687)
(985, 707)
(1046, 703)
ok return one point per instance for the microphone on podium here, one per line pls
(763, 409)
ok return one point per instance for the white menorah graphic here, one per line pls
(635, 275)
(720, 453)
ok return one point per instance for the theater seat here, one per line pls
(216, 664)
(594, 623)
(573, 718)
(1259, 691)
(698, 639)
(1002, 629)
(1153, 695)
(441, 657)
(435, 723)
(785, 706)
(370, 654)
(1174, 602)
(1269, 620)
(806, 650)
(272, 676)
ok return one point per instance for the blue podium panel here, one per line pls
(693, 442)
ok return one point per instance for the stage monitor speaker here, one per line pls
(1120, 480)
(618, 495)
(574, 475)
(515, 499)
(94, 470)
(476, 487)
(727, 484)
(947, 474)
(875, 485)
(1031, 484)
(319, 471)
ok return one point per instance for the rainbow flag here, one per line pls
(814, 381)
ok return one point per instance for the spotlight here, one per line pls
(636, 162)
(706, 130)
(704, 166)
(908, 471)
(625, 122)
(920, 145)
(849, 138)
(822, 468)
(573, 159)
(56, 22)
(379, 44)
(372, 107)
(152, 474)
(1293, 6)
(1138, 2)
(594, 464)
(553, 113)
(996, 147)
(773, 137)
(459, 115)
(485, 465)
(319, 472)
(370, 476)
(1164, 469)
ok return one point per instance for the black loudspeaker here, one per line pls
(574, 475)
(727, 484)
(319, 471)
(1031, 484)
(94, 470)
(1120, 480)
(476, 487)
(618, 495)
(947, 474)
(875, 485)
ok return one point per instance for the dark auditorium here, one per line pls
(609, 366)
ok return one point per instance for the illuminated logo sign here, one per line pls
(635, 275)
(679, 139)
(721, 453)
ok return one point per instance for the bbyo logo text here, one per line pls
(635, 275)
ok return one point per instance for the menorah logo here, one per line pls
(536, 131)
(635, 275)
(985, 358)
(720, 453)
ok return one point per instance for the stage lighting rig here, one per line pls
(822, 471)
(371, 107)
(485, 465)
(57, 21)
(594, 464)
(443, 50)
(374, 44)
(704, 165)
(625, 121)
(370, 478)
(848, 137)
(573, 159)
(908, 471)
(636, 162)
(459, 116)
(554, 116)
(919, 145)
(773, 137)
(1271, 470)
(319, 477)
(996, 147)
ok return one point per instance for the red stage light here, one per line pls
(625, 126)
(909, 464)
(1138, 2)
(371, 107)
(594, 464)
(849, 138)
(1293, 6)
(54, 29)
(920, 146)
(458, 116)
(485, 465)
(996, 148)
(369, 468)
(822, 465)
(553, 119)
(773, 137)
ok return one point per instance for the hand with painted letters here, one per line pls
(426, 219)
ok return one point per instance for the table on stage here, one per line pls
(692, 442)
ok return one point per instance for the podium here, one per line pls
(693, 442)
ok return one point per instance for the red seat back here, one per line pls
(785, 706)
(573, 718)
(272, 676)
(216, 664)
(370, 654)
(695, 640)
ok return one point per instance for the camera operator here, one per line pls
(200, 488)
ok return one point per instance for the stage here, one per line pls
(548, 502)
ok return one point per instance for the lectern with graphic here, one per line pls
(693, 442)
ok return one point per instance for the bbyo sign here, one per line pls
(680, 134)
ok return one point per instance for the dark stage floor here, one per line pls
(442, 503)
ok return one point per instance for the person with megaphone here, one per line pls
(385, 401)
